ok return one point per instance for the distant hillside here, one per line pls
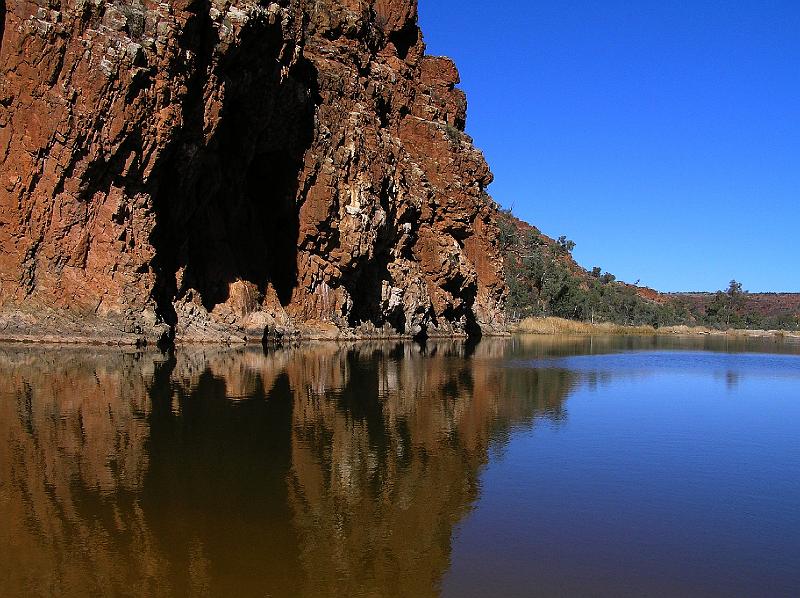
(754, 310)
(544, 280)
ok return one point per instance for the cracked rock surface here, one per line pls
(232, 170)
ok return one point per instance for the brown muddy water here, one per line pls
(530, 466)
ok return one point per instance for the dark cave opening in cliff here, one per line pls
(242, 225)
(225, 202)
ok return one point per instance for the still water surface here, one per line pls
(530, 466)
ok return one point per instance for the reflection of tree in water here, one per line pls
(533, 345)
(731, 379)
(324, 470)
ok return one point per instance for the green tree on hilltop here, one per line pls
(565, 244)
(726, 310)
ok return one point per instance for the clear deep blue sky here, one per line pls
(662, 137)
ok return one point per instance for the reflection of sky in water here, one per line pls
(672, 474)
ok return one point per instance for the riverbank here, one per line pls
(551, 325)
(47, 326)
(70, 333)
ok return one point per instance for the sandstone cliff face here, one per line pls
(224, 170)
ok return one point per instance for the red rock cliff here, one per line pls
(218, 170)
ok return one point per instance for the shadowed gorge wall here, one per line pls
(227, 170)
(225, 201)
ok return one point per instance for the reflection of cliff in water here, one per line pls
(72, 458)
(386, 459)
(321, 470)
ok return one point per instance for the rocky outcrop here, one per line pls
(227, 170)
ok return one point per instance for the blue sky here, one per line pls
(662, 137)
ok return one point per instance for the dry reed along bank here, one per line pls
(552, 325)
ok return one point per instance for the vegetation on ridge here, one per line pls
(544, 280)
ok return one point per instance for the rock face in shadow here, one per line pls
(228, 170)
